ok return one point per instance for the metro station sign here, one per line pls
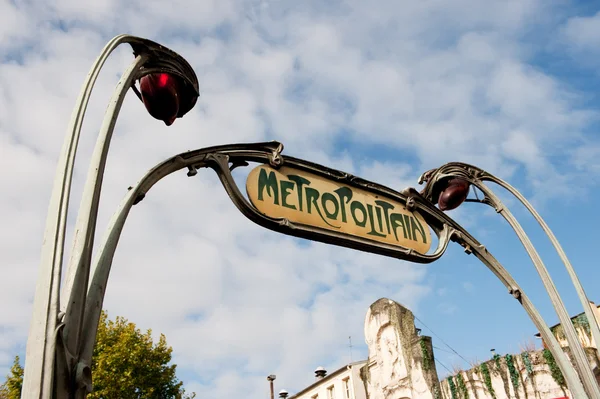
(307, 199)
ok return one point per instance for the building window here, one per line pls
(347, 388)
(331, 392)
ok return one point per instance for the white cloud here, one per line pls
(468, 286)
(447, 308)
(587, 159)
(583, 32)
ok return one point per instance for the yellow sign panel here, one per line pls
(308, 199)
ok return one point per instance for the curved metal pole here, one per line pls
(86, 225)
(471, 245)
(103, 261)
(79, 113)
(45, 339)
(41, 343)
(579, 355)
(106, 252)
(572, 380)
(590, 312)
(474, 176)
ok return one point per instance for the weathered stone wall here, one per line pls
(401, 363)
(528, 375)
(521, 376)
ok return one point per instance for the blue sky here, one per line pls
(383, 91)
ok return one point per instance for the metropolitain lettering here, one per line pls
(380, 218)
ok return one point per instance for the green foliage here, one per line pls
(426, 355)
(496, 359)
(453, 390)
(126, 364)
(514, 375)
(559, 332)
(464, 392)
(487, 379)
(554, 369)
(11, 389)
(527, 362)
(579, 321)
(583, 322)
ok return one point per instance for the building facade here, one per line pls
(582, 328)
(343, 383)
(401, 365)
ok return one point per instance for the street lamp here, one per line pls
(448, 186)
(169, 89)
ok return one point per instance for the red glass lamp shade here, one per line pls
(160, 94)
(453, 195)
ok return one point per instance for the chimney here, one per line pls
(320, 373)
(271, 378)
(283, 394)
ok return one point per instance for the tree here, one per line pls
(126, 364)
(11, 389)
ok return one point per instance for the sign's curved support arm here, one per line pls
(103, 261)
(579, 355)
(572, 380)
(585, 302)
(471, 245)
(475, 176)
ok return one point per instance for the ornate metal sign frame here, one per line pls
(224, 159)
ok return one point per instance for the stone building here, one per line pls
(582, 327)
(343, 383)
(401, 365)
(401, 362)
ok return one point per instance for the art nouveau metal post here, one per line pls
(169, 89)
(451, 182)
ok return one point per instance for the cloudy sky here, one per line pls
(384, 90)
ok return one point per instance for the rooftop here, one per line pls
(578, 317)
(328, 377)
